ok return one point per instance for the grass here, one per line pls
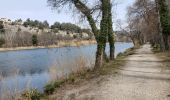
(163, 55)
(5, 90)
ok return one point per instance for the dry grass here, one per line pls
(11, 93)
(60, 44)
(77, 73)
(83, 73)
(163, 55)
(58, 71)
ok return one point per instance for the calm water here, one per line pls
(34, 68)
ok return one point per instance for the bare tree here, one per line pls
(143, 18)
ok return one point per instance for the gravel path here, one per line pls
(143, 77)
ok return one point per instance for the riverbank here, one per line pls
(83, 75)
(74, 43)
(140, 75)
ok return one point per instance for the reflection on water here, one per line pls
(31, 67)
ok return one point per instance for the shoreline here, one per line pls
(60, 45)
(77, 78)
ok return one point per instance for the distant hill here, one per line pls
(20, 33)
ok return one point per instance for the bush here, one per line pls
(2, 41)
(2, 30)
(19, 29)
(75, 36)
(120, 54)
(32, 94)
(50, 88)
(34, 40)
(55, 30)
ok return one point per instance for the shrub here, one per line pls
(32, 94)
(50, 88)
(2, 30)
(2, 41)
(19, 29)
(74, 36)
(34, 40)
(55, 30)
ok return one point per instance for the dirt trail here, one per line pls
(143, 77)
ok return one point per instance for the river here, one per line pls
(34, 68)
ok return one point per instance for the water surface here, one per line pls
(34, 68)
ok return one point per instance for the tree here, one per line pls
(2, 41)
(19, 29)
(46, 24)
(100, 55)
(2, 30)
(110, 31)
(70, 27)
(144, 24)
(27, 22)
(34, 40)
(165, 25)
(88, 12)
(18, 21)
(56, 25)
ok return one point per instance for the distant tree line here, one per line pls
(36, 23)
(69, 27)
(55, 27)
(66, 27)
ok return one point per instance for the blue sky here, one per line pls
(38, 9)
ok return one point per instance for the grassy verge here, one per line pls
(162, 55)
(78, 77)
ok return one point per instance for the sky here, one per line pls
(38, 10)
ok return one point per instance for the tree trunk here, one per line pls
(100, 38)
(110, 32)
(161, 42)
(100, 54)
(165, 37)
(164, 23)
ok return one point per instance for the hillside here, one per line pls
(20, 33)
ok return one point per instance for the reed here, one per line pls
(11, 91)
